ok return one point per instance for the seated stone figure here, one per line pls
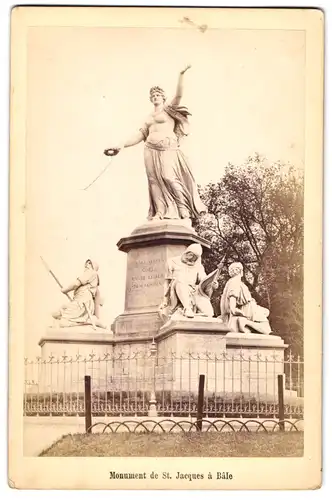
(187, 287)
(239, 309)
(83, 309)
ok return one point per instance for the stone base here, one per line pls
(233, 363)
(198, 335)
(68, 354)
(149, 247)
(255, 361)
(237, 340)
(85, 341)
(161, 232)
(71, 341)
(137, 324)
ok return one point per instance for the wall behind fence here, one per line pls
(235, 385)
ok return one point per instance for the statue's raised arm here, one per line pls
(179, 88)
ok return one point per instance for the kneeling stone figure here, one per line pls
(188, 289)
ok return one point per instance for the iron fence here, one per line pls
(151, 383)
(170, 426)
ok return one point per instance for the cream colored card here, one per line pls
(80, 81)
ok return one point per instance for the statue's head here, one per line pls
(192, 253)
(191, 257)
(157, 95)
(236, 268)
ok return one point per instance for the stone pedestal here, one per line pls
(254, 363)
(233, 363)
(68, 354)
(200, 335)
(188, 348)
(82, 340)
(149, 247)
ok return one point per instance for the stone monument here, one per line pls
(167, 309)
(149, 248)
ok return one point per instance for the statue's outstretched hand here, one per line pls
(185, 69)
(112, 151)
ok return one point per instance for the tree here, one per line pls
(255, 216)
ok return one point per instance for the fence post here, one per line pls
(200, 402)
(87, 393)
(152, 401)
(281, 402)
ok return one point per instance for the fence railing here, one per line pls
(148, 383)
(169, 425)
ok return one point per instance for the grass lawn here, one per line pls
(226, 444)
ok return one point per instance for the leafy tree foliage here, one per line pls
(255, 216)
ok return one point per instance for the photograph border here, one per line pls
(296, 473)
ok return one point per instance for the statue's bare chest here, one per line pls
(160, 118)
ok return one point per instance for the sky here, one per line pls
(88, 89)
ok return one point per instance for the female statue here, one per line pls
(173, 192)
(239, 309)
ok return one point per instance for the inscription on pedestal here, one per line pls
(147, 275)
(145, 279)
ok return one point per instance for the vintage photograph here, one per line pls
(165, 164)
